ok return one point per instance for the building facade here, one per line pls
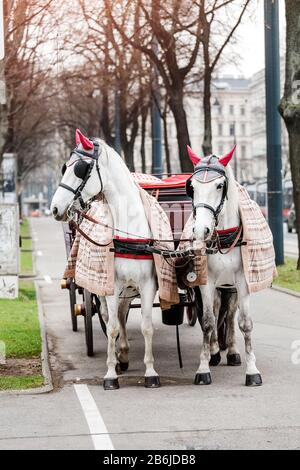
(238, 117)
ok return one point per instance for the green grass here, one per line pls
(20, 331)
(288, 275)
(25, 256)
(19, 324)
(21, 383)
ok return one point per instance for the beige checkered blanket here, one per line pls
(92, 267)
(258, 254)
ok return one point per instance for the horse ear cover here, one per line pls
(86, 143)
(81, 168)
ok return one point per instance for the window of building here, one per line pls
(243, 151)
(220, 109)
(232, 129)
(231, 109)
(220, 149)
(243, 129)
(243, 110)
(220, 129)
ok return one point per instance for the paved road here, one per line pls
(177, 416)
(290, 243)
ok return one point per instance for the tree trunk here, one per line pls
(166, 142)
(143, 137)
(290, 103)
(207, 138)
(105, 121)
(3, 114)
(183, 139)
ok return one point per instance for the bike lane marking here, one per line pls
(98, 430)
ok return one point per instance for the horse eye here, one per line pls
(220, 186)
(63, 169)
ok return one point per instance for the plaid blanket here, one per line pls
(258, 254)
(92, 267)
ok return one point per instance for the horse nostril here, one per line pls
(206, 232)
(55, 211)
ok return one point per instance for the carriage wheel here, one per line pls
(191, 310)
(102, 322)
(198, 304)
(72, 294)
(88, 323)
(191, 314)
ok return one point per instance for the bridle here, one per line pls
(216, 211)
(83, 170)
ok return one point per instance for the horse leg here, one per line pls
(215, 356)
(111, 378)
(253, 376)
(203, 376)
(123, 340)
(233, 354)
(148, 292)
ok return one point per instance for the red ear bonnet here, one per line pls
(84, 141)
(193, 157)
(226, 159)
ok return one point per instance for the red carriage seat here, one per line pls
(170, 193)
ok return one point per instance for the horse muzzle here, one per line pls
(57, 216)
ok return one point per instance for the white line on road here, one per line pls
(48, 279)
(99, 433)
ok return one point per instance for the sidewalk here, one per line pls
(177, 416)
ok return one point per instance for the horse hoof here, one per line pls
(215, 359)
(253, 380)
(203, 379)
(152, 382)
(234, 359)
(111, 384)
(123, 366)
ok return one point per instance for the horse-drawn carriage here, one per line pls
(208, 208)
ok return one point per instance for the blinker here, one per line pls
(81, 169)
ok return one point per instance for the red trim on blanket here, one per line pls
(132, 256)
(133, 240)
(227, 230)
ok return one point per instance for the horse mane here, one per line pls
(232, 193)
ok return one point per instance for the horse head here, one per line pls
(208, 187)
(81, 177)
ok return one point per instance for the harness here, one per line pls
(138, 247)
(207, 170)
(83, 170)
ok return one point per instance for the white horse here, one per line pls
(215, 200)
(86, 175)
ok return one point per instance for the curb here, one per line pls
(284, 290)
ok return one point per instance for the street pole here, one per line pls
(274, 163)
(157, 167)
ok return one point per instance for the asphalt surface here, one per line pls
(290, 243)
(79, 414)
